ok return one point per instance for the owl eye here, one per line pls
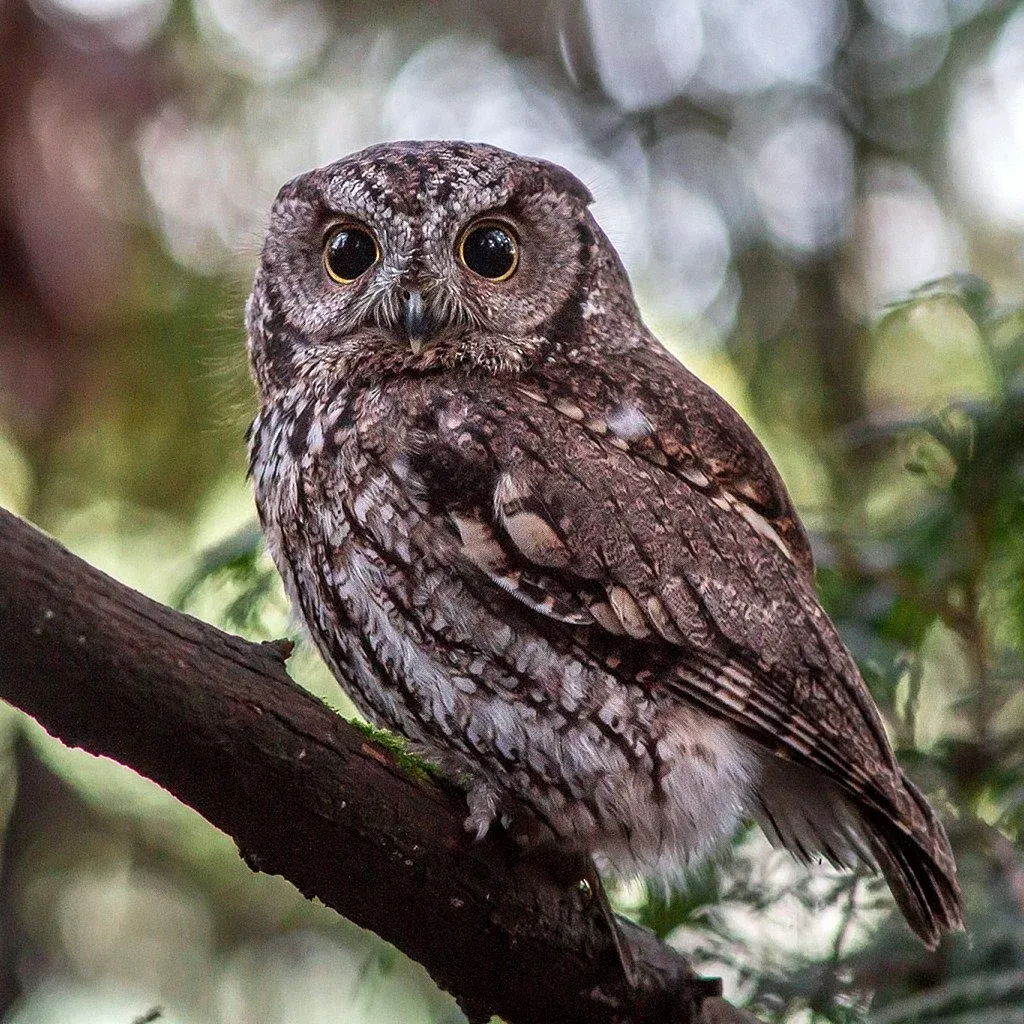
(490, 250)
(349, 252)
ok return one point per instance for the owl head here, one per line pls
(415, 255)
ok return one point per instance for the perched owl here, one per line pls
(527, 538)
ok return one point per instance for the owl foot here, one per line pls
(577, 869)
(483, 809)
(590, 881)
(534, 839)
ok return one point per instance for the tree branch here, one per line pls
(216, 721)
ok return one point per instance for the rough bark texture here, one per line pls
(216, 721)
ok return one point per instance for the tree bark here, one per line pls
(216, 721)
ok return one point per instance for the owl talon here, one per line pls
(483, 810)
(481, 828)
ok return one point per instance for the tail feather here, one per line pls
(917, 862)
(810, 815)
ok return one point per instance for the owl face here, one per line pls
(417, 253)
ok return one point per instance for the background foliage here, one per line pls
(782, 177)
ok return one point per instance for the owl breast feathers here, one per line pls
(523, 535)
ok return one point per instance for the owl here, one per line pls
(523, 535)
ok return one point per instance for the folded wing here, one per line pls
(621, 524)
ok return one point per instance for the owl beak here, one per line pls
(416, 316)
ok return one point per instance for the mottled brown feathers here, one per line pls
(538, 546)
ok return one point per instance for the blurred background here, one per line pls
(821, 204)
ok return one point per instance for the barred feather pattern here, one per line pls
(545, 552)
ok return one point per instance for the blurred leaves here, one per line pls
(240, 582)
(947, 562)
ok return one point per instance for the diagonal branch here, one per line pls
(216, 721)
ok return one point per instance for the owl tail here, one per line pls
(917, 862)
(813, 816)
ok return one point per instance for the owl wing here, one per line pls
(701, 581)
(660, 554)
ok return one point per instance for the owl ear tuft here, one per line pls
(558, 179)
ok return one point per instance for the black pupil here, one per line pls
(350, 252)
(489, 251)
